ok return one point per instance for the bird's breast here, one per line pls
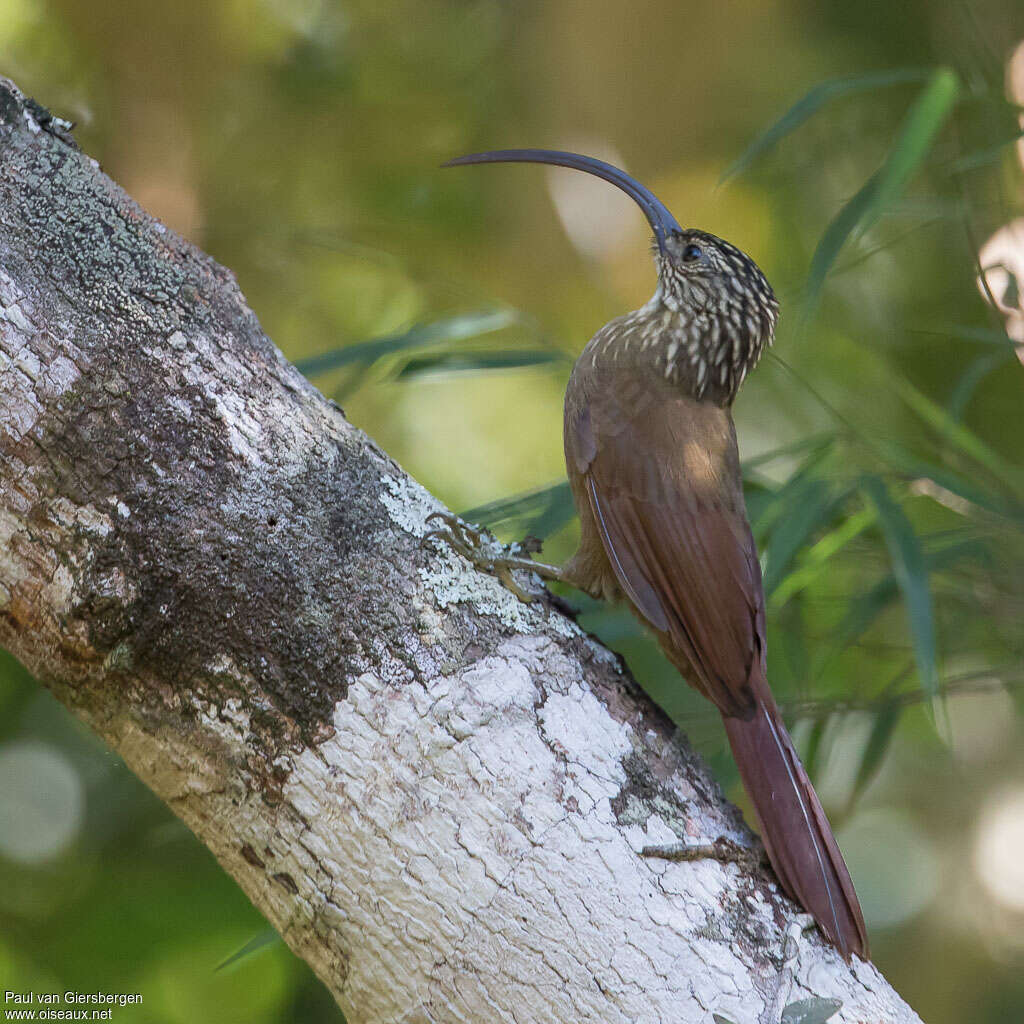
(671, 437)
(704, 352)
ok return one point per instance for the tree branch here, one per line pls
(435, 793)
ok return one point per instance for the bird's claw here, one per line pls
(481, 549)
(458, 535)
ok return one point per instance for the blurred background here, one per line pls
(867, 155)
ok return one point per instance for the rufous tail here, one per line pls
(794, 828)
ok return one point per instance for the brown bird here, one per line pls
(650, 450)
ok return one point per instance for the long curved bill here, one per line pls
(662, 222)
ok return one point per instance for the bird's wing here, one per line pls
(662, 476)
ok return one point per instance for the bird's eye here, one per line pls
(692, 252)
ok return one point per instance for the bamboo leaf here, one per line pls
(972, 377)
(864, 609)
(267, 937)
(810, 103)
(814, 443)
(816, 559)
(475, 362)
(982, 157)
(853, 212)
(448, 330)
(541, 512)
(771, 503)
(911, 574)
(952, 432)
(914, 467)
(860, 614)
(924, 119)
(807, 507)
(759, 496)
(813, 755)
(558, 513)
(982, 335)
(876, 747)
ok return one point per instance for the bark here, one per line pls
(435, 793)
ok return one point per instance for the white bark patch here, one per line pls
(242, 430)
(251, 433)
(459, 838)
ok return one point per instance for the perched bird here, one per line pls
(651, 455)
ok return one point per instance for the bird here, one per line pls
(652, 460)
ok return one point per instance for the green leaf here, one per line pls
(559, 512)
(613, 624)
(861, 613)
(811, 103)
(972, 377)
(853, 212)
(983, 335)
(811, 1011)
(760, 498)
(951, 431)
(793, 667)
(924, 119)
(267, 937)
(451, 329)
(863, 610)
(911, 574)
(876, 747)
(813, 752)
(541, 512)
(816, 559)
(814, 443)
(475, 362)
(914, 467)
(982, 157)
(807, 507)
(771, 504)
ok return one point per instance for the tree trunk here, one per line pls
(436, 794)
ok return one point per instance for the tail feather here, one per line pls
(795, 831)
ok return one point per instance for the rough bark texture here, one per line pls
(435, 793)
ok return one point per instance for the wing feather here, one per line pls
(662, 478)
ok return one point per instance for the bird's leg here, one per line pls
(480, 548)
(722, 849)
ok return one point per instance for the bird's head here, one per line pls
(726, 309)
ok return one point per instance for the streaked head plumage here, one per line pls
(722, 311)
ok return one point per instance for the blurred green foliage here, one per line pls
(861, 153)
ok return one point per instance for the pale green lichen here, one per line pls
(452, 579)
(408, 503)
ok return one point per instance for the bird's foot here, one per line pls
(479, 547)
(722, 849)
